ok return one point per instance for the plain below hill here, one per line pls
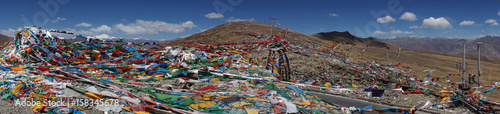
(490, 47)
(442, 63)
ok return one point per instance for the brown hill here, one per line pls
(4, 39)
(349, 38)
(237, 32)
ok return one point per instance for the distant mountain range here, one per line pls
(490, 47)
(349, 38)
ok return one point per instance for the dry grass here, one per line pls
(420, 60)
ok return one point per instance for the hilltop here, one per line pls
(237, 32)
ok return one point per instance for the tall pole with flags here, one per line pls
(479, 65)
(463, 69)
(387, 55)
(272, 24)
(463, 63)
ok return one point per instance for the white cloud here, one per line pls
(465, 23)
(333, 14)
(401, 32)
(385, 19)
(493, 22)
(436, 23)
(408, 16)
(154, 27)
(231, 19)
(214, 15)
(102, 28)
(413, 27)
(498, 13)
(9, 32)
(83, 25)
(58, 19)
(188, 24)
(379, 32)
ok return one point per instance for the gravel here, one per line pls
(11, 108)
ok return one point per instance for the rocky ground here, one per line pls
(11, 108)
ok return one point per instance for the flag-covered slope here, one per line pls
(130, 78)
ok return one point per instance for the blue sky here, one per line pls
(169, 19)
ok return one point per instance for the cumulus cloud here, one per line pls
(333, 14)
(493, 22)
(379, 32)
(408, 16)
(436, 23)
(385, 19)
(232, 19)
(154, 27)
(102, 28)
(465, 23)
(9, 32)
(413, 27)
(214, 15)
(83, 25)
(58, 19)
(401, 32)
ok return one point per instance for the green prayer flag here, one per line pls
(169, 99)
(5, 96)
(187, 101)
